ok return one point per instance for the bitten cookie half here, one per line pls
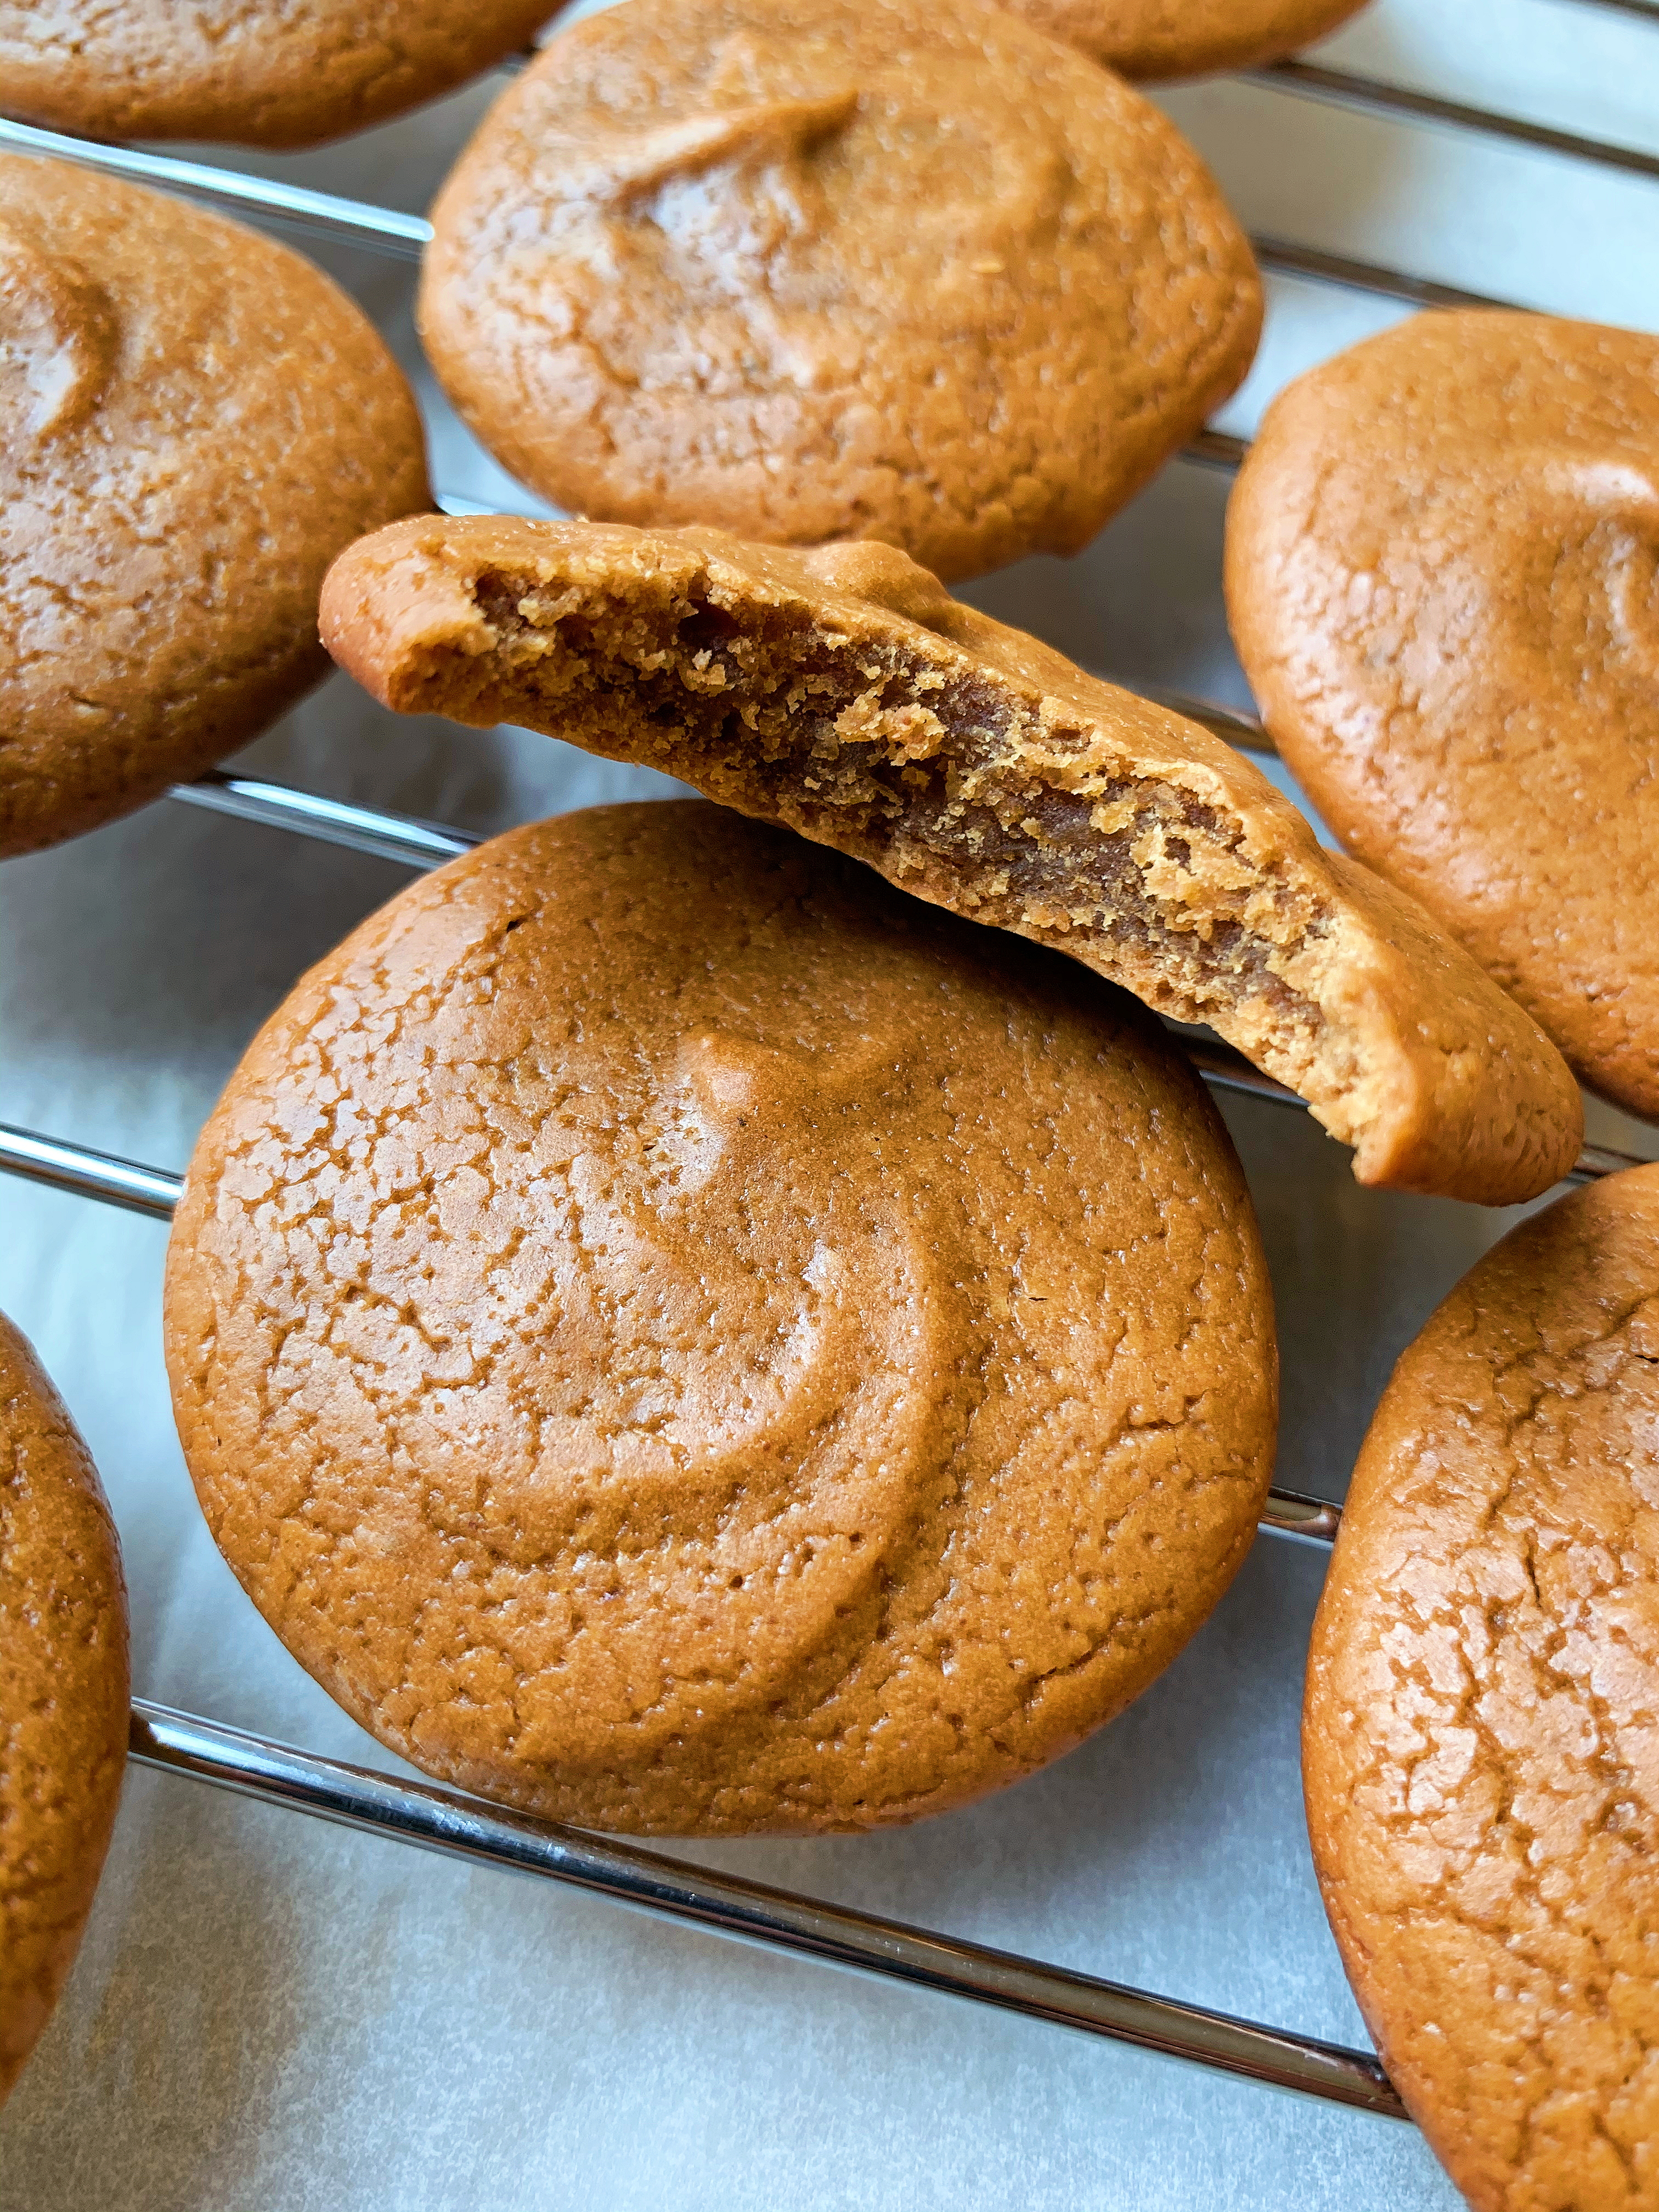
(845, 694)
(676, 1336)
(247, 72)
(1478, 1747)
(1443, 576)
(63, 1693)
(195, 421)
(1185, 38)
(827, 269)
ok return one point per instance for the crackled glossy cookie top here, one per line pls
(1443, 574)
(1480, 1748)
(256, 72)
(63, 1695)
(193, 420)
(813, 269)
(673, 1333)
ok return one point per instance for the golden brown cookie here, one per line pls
(825, 268)
(674, 1334)
(1185, 38)
(1478, 1747)
(1443, 574)
(195, 421)
(846, 694)
(63, 1695)
(255, 72)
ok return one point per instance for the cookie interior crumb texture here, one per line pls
(246, 71)
(1479, 1752)
(815, 270)
(1443, 576)
(678, 1336)
(844, 693)
(195, 421)
(1185, 38)
(63, 1695)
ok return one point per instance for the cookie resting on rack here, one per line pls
(1443, 576)
(193, 420)
(676, 1335)
(819, 268)
(252, 72)
(1185, 38)
(1478, 1746)
(844, 693)
(63, 1695)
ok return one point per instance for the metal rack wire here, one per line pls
(464, 1828)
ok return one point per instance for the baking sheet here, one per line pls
(270, 2013)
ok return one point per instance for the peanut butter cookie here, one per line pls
(843, 692)
(1478, 1746)
(825, 268)
(1442, 575)
(63, 1695)
(1185, 38)
(195, 420)
(677, 1336)
(254, 72)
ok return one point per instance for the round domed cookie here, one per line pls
(1479, 1744)
(195, 421)
(63, 1695)
(1442, 556)
(253, 72)
(815, 270)
(1185, 38)
(678, 1336)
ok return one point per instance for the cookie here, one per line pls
(815, 270)
(195, 421)
(245, 71)
(1442, 575)
(675, 1335)
(1479, 1748)
(1173, 37)
(63, 1694)
(843, 692)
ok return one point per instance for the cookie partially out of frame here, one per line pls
(844, 693)
(826, 269)
(1442, 575)
(193, 421)
(678, 1336)
(1478, 1745)
(253, 72)
(1185, 38)
(63, 1695)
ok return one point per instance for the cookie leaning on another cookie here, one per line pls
(843, 692)
(1442, 577)
(193, 420)
(823, 268)
(1185, 38)
(1479, 1748)
(249, 71)
(63, 1695)
(676, 1335)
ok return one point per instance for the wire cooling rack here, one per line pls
(466, 1829)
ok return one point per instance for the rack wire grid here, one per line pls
(354, 235)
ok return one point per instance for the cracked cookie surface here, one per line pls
(845, 693)
(195, 421)
(63, 1695)
(812, 270)
(677, 1336)
(1149, 38)
(252, 72)
(1442, 577)
(1480, 1745)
